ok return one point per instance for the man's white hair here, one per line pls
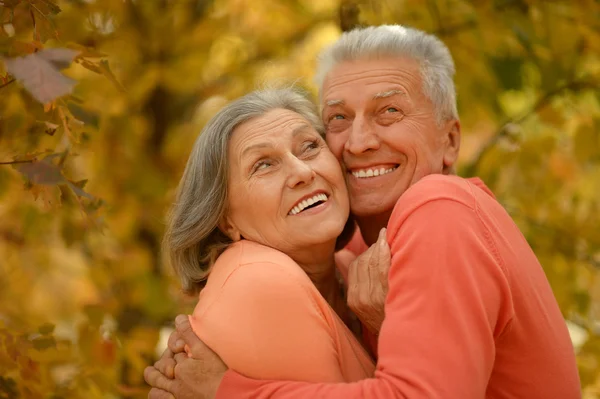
(376, 42)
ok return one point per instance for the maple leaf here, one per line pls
(42, 172)
(40, 73)
(77, 188)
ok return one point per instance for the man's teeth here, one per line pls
(307, 202)
(372, 172)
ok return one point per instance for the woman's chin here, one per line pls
(323, 233)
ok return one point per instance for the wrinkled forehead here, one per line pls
(373, 77)
(274, 127)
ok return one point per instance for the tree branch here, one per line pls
(7, 83)
(17, 162)
(349, 15)
(541, 102)
(435, 12)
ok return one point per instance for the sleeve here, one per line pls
(266, 324)
(448, 300)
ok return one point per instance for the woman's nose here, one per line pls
(300, 173)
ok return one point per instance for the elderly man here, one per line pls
(469, 313)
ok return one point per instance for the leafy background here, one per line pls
(86, 177)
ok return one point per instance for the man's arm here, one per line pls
(448, 300)
(177, 375)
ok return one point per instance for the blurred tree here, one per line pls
(112, 93)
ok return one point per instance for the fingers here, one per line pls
(385, 259)
(373, 267)
(156, 379)
(156, 393)
(180, 357)
(191, 342)
(352, 282)
(166, 364)
(175, 342)
(363, 272)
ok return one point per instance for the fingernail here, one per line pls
(382, 232)
(180, 319)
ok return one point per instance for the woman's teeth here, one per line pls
(307, 202)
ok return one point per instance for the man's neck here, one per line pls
(371, 225)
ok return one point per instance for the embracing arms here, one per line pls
(448, 300)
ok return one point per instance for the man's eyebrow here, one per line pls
(388, 93)
(331, 103)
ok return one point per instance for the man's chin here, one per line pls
(369, 209)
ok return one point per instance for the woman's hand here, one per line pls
(368, 283)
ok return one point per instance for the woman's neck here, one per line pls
(318, 263)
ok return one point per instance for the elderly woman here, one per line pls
(260, 209)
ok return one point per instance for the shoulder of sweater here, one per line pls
(431, 188)
(247, 256)
(438, 187)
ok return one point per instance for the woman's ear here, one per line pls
(228, 228)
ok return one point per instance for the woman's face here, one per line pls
(286, 189)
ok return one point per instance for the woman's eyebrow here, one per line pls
(301, 129)
(255, 147)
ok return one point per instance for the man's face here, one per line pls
(383, 130)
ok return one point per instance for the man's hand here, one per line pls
(368, 283)
(195, 374)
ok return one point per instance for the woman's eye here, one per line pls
(310, 146)
(338, 117)
(392, 109)
(261, 165)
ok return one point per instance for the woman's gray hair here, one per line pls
(193, 240)
(374, 42)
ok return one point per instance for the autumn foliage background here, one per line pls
(86, 178)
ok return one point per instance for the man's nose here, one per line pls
(362, 138)
(300, 172)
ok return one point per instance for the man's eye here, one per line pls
(392, 109)
(337, 116)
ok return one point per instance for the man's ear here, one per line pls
(452, 145)
(228, 228)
